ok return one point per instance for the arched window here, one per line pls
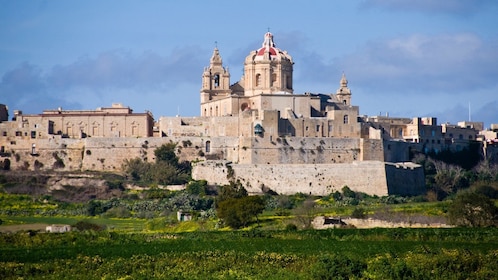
(346, 119)
(208, 146)
(258, 80)
(258, 129)
(216, 80)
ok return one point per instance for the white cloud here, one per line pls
(422, 63)
(113, 76)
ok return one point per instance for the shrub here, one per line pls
(347, 192)
(291, 227)
(473, 209)
(359, 213)
(85, 225)
(118, 212)
(337, 267)
(197, 187)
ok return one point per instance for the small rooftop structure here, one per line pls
(58, 228)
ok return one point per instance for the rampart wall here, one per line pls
(286, 165)
(372, 177)
(108, 154)
(302, 150)
(99, 154)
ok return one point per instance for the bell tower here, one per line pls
(215, 79)
(343, 94)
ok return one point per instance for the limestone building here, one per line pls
(114, 121)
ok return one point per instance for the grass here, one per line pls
(129, 224)
(253, 254)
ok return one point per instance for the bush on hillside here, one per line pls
(471, 209)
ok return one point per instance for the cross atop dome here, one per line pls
(268, 42)
(268, 45)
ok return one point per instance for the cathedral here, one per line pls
(267, 85)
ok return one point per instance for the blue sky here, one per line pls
(405, 58)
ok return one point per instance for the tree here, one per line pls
(136, 168)
(305, 213)
(165, 171)
(162, 173)
(472, 209)
(232, 190)
(238, 212)
(448, 179)
(197, 187)
(167, 154)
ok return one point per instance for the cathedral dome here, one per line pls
(269, 51)
(268, 45)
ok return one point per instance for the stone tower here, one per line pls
(268, 70)
(215, 79)
(343, 94)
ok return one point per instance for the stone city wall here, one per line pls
(95, 153)
(316, 179)
(108, 154)
(301, 150)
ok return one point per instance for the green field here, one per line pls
(12, 223)
(138, 236)
(309, 254)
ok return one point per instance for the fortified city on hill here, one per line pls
(257, 128)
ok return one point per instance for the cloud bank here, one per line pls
(113, 75)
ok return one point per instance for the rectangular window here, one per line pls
(317, 128)
(33, 134)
